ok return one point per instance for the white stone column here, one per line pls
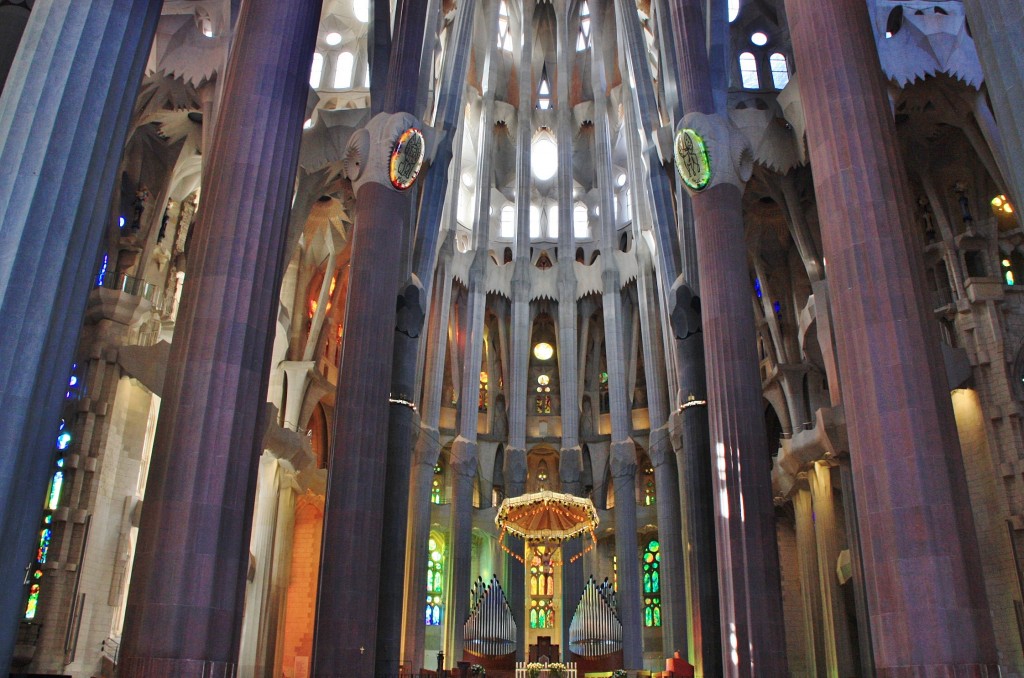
(834, 626)
(809, 587)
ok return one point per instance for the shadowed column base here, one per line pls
(940, 671)
(145, 667)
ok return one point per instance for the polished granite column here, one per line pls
(750, 597)
(184, 609)
(913, 508)
(64, 114)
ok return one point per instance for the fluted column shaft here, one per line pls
(60, 145)
(915, 520)
(425, 455)
(836, 632)
(184, 609)
(998, 30)
(750, 597)
(810, 588)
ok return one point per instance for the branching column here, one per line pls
(60, 145)
(914, 511)
(192, 555)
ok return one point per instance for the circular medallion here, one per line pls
(692, 160)
(407, 158)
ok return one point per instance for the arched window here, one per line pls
(507, 229)
(583, 39)
(580, 221)
(734, 10)
(504, 35)
(544, 158)
(435, 580)
(542, 589)
(316, 74)
(361, 10)
(748, 71)
(345, 70)
(652, 583)
(553, 222)
(780, 70)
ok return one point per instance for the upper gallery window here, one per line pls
(544, 158)
(316, 74)
(504, 35)
(583, 39)
(780, 70)
(345, 70)
(748, 71)
(580, 221)
(507, 228)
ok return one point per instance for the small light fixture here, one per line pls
(543, 351)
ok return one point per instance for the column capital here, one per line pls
(463, 459)
(368, 157)
(427, 447)
(660, 446)
(726, 156)
(623, 458)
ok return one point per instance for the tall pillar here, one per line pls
(192, 555)
(915, 519)
(998, 30)
(64, 114)
(750, 597)
(810, 590)
(346, 622)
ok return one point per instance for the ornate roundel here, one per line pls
(692, 160)
(407, 158)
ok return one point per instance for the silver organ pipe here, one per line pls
(490, 628)
(595, 628)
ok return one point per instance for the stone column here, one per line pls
(261, 547)
(345, 637)
(64, 114)
(998, 30)
(915, 517)
(750, 597)
(810, 588)
(185, 605)
(425, 454)
(836, 632)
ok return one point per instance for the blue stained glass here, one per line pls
(63, 440)
(778, 307)
(101, 276)
(757, 287)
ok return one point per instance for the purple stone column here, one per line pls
(927, 610)
(750, 597)
(185, 606)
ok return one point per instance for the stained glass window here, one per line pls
(435, 581)
(650, 492)
(542, 589)
(580, 221)
(507, 229)
(316, 73)
(651, 564)
(344, 70)
(437, 486)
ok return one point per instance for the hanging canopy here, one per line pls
(547, 517)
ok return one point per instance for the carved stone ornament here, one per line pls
(385, 151)
(709, 150)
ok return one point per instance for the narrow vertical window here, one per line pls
(507, 229)
(344, 71)
(652, 583)
(748, 71)
(504, 35)
(553, 222)
(734, 10)
(583, 38)
(580, 221)
(544, 91)
(534, 221)
(780, 70)
(435, 580)
(316, 74)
